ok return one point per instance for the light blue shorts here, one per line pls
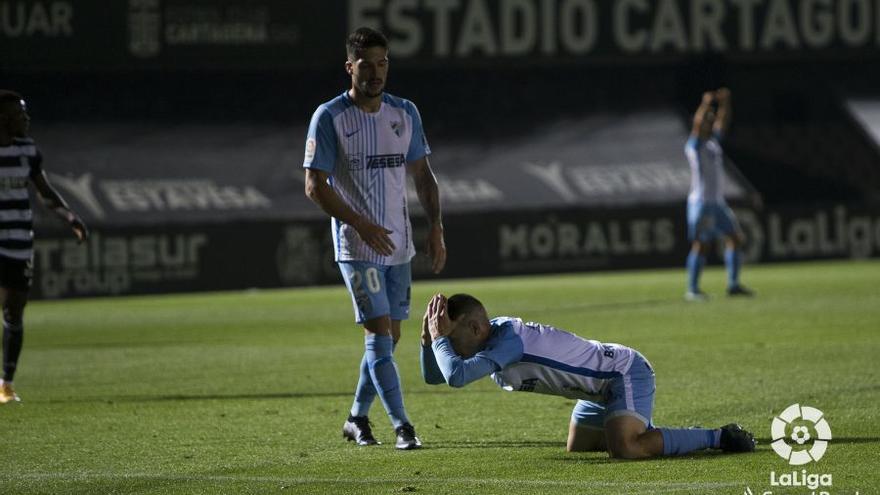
(706, 221)
(377, 290)
(629, 395)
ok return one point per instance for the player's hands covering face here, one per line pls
(439, 324)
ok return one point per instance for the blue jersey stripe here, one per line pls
(604, 375)
(380, 183)
(368, 174)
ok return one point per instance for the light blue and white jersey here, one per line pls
(531, 357)
(366, 156)
(557, 362)
(706, 159)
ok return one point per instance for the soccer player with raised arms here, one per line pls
(360, 147)
(20, 163)
(708, 215)
(613, 384)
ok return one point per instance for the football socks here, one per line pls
(694, 264)
(732, 261)
(386, 380)
(683, 441)
(13, 337)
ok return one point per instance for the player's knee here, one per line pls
(456, 381)
(630, 449)
(583, 447)
(13, 314)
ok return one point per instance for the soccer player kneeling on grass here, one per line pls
(614, 384)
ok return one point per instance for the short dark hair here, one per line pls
(462, 304)
(8, 96)
(363, 38)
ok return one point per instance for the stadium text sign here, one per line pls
(574, 182)
(268, 34)
(511, 28)
(555, 239)
(822, 232)
(151, 195)
(19, 19)
(112, 264)
(191, 256)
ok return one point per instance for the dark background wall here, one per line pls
(791, 66)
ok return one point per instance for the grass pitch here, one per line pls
(246, 392)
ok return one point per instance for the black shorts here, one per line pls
(16, 274)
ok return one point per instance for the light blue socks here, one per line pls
(694, 266)
(379, 375)
(365, 392)
(732, 261)
(683, 441)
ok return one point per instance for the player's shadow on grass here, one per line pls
(496, 444)
(260, 396)
(603, 458)
(835, 440)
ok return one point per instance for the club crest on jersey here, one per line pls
(355, 162)
(397, 127)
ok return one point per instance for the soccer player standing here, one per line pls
(20, 163)
(359, 149)
(707, 213)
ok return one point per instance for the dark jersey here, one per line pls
(19, 162)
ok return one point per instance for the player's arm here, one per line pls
(320, 156)
(705, 105)
(429, 197)
(430, 371)
(320, 192)
(53, 200)
(725, 111)
(456, 371)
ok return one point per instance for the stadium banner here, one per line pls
(201, 173)
(240, 255)
(279, 34)
(86, 35)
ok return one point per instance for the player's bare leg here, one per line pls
(585, 439)
(395, 331)
(14, 302)
(627, 437)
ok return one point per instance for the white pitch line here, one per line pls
(416, 479)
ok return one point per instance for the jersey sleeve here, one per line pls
(36, 164)
(321, 145)
(458, 372)
(504, 348)
(430, 371)
(418, 143)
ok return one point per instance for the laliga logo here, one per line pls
(800, 434)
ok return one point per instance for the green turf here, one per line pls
(246, 392)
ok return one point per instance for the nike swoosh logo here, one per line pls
(352, 133)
